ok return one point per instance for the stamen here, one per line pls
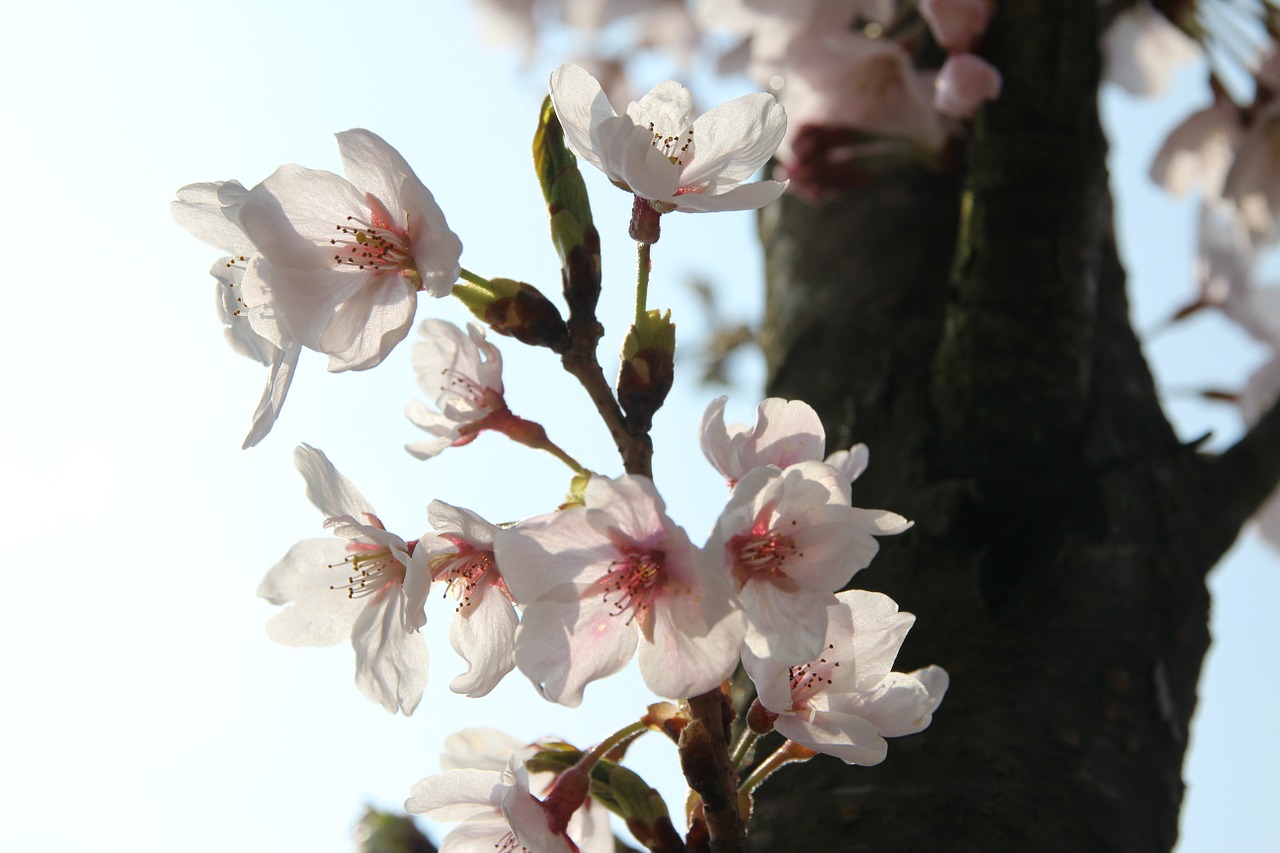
(373, 569)
(367, 246)
(461, 573)
(632, 582)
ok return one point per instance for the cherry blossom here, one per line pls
(599, 579)
(1197, 154)
(211, 211)
(495, 808)
(956, 24)
(459, 555)
(346, 257)
(489, 749)
(659, 152)
(353, 589)
(462, 373)
(965, 82)
(788, 540)
(785, 432)
(845, 702)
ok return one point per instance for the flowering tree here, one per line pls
(944, 288)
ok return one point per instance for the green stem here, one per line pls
(642, 279)
(621, 736)
(467, 275)
(743, 747)
(555, 450)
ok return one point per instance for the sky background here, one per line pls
(146, 709)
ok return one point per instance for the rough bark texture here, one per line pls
(973, 330)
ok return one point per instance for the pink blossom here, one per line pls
(459, 556)
(788, 540)
(845, 702)
(965, 82)
(600, 579)
(956, 24)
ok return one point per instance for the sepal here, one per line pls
(648, 368)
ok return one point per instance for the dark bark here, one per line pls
(973, 330)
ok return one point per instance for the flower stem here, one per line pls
(643, 265)
(624, 735)
(789, 752)
(743, 747)
(468, 275)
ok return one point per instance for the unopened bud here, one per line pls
(648, 368)
(575, 237)
(516, 309)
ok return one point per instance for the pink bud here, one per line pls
(965, 83)
(956, 24)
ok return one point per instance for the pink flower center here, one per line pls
(463, 572)
(762, 554)
(372, 569)
(632, 582)
(374, 246)
(807, 680)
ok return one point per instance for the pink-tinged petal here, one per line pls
(785, 432)
(789, 626)
(463, 522)
(316, 615)
(632, 505)
(677, 665)
(733, 140)
(484, 634)
(741, 197)
(850, 464)
(548, 551)
(391, 662)
(481, 834)
(581, 105)
(564, 645)
(880, 522)
(331, 493)
(374, 167)
(846, 736)
(715, 441)
(283, 364)
(367, 326)
(772, 680)
(965, 82)
(455, 794)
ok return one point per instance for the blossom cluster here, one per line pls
(335, 264)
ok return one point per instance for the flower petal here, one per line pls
(391, 662)
(581, 105)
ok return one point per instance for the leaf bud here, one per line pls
(516, 309)
(648, 368)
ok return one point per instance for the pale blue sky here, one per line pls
(147, 708)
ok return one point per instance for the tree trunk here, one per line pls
(972, 328)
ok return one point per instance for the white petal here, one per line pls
(479, 748)
(846, 736)
(742, 197)
(374, 167)
(283, 365)
(676, 665)
(733, 140)
(580, 105)
(332, 493)
(211, 212)
(391, 662)
(317, 614)
(454, 794)
(787, 626)
(366, 327)
(484, 634)
(564, 645)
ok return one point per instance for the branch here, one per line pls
(1242, 478)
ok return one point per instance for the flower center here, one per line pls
(809, 679)
(369, 247)
(372, 569)
(677, 148)
(461, 572)
(632, 582)
(761, 554)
